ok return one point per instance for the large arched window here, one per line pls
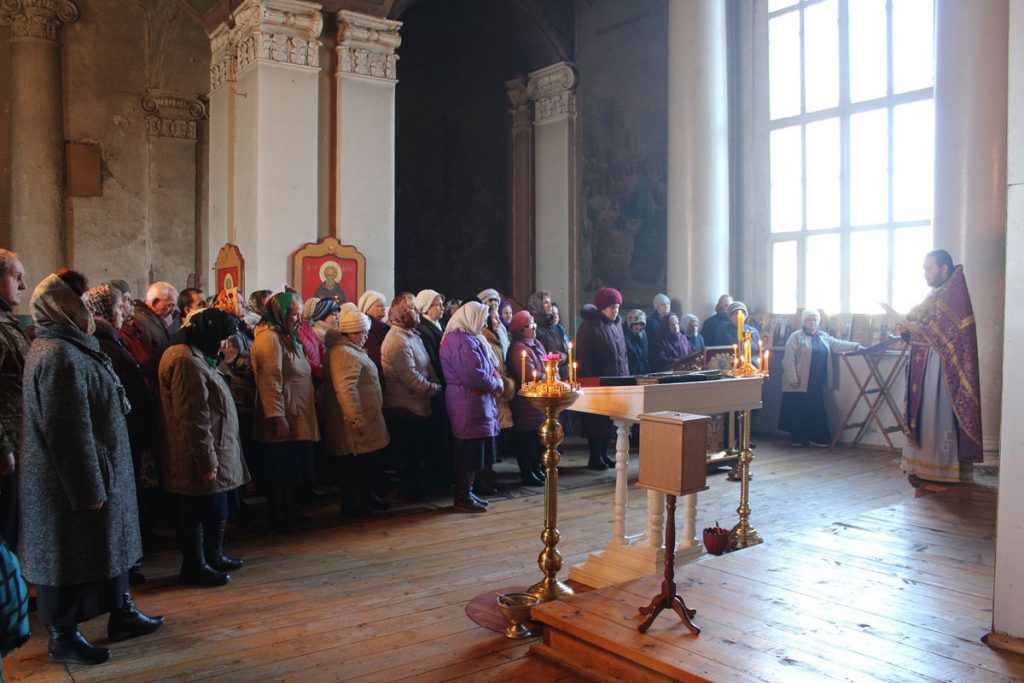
(851, 149)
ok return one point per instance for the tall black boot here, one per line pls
(597, 451)
(464, 500)
(69, 646)
(194, 569)
(128, 622)
(213, 545)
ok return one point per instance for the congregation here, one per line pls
(120, 413)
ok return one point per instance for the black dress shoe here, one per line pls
(374, 502)
(609, 460)
(530, 478)
(128, 622)
(478, 500)
(69, 646)
(540, 473)
(597, 463)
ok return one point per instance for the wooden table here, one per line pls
(629, 557)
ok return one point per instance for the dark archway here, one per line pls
(452, 133)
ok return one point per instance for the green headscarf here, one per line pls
(276, 318)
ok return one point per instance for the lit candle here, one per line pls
(767, 361)
(570, 360)
(572, 373)
(739, 324)
(534, 376)
(522, 368)
(735, 353)
(760, 354)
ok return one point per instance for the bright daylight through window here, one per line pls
(851, 152)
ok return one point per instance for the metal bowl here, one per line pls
(516, 608)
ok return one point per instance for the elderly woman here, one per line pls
(324, 318)
(601, 349)
(372, 303)
(550, 334)
(201, 459)
(488, 484)
(430, 304)
(526, 358)
(662, 307)
(79, 524)
(352, 405)
(727, 333)
(312, 344)
(669, 345)
(806, 371)
(691, 325)
(490, 298)
(285, 418)
(473, 383)
(409, 384)
(638, 351)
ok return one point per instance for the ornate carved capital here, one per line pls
(224, 57)
(553, 91)
(172, 116)
(366, 46)
(520, 99)
(38, 18)
(280, 31)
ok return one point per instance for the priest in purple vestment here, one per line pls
(942, 416)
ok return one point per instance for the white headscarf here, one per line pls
(470, 319)
(809, 312)
(369, 298)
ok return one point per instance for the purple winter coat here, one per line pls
(472, 380)
(524, 416)
(668, 348)
(600, 345)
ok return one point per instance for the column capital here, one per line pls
(38, 18)
(223, 56)
(278, 31)
(520, 99)
(366, 46)
(172, 116)
(553, 90)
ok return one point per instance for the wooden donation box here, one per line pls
(673, 450)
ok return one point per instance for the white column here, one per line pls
(37, 132)
(172, 122)
(1008, 608)
(553, 91)
(367, 77)
(698, 146)
(970, 173)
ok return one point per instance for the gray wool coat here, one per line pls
(75, 453)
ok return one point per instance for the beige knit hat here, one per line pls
(353, 321)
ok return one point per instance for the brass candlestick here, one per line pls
(552, 396)
(743, 535)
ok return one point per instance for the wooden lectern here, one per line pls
(672, 460)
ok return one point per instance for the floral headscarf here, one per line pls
(102, 299)
(276, 318)
(403, 311)
(228, 301)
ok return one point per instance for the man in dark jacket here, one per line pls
(716, 327)
(13, 346)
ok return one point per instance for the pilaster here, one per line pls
(367, 77)
(521, 237)
(38, 18)
(553, 93)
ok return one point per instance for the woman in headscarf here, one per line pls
(806, 372)
(201, 459)
(409, 384)
(637, 347)
(691, 324)
(285, 417)
(601, 349)
(550, 334)
(505, 312)
(430, 304)
(526, 352)
(257, 307)
(324, 318)
(312, 345)
(372, 303)
(487, 483)
(352, 405)
(662, 307)
(106, 304)
(473, 383)
(79, 524)
(669, 345)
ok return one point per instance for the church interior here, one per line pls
(792, 153)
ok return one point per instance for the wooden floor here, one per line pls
(384, 599)
(902, 593)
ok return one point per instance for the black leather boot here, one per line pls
(213, 544)
(465, 501)
(194, 569)
(609, 460)
(597, 462)
(128, 622)
(527, 474)
(69, 646)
